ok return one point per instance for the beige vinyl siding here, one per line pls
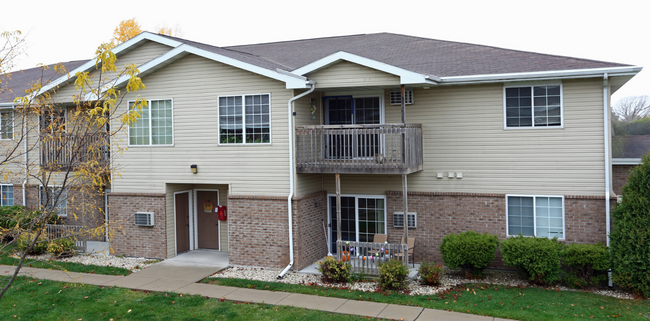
(347, 74)
(463, 131)
(308, 183)
(138, 56)
(194, 83)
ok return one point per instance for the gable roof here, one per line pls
(426, 56)
(15, 83)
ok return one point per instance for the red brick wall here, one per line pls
(258, 231)
(132, 240)
(439, 214)
(310, 245)
(620, 173)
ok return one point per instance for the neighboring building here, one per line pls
(494, 140)
(627, 152)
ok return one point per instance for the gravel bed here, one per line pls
(449, 280)
(134, 264)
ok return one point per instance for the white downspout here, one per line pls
(606, 122)
(291, 169)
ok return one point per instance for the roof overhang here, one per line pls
(625, 72)
(407, 77)
(626, 161)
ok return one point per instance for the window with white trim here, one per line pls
(155, 124)
(541, 216)
(6, 124)
(7, 195)
(55, 200)
(245, 119)
(533, 106)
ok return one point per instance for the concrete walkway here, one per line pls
(181, 277)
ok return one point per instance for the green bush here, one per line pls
(392, 275)
(587, 264)
(470, 251)
(538, 257)
(430, 273)
(630, 237)
(10, 216)
(40, 247)
(334, 271)
(62, 247)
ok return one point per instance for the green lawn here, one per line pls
(31, 299)
(497, 301)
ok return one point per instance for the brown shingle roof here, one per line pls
(427, 56)
(14, 84)
(633, 146)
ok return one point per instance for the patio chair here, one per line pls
(378, 238)
(411, 249)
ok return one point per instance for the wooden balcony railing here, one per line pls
(64, 151)
(365, 257)
(359, 149)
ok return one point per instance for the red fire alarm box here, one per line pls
(223, 213)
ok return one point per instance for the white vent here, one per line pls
(396, 97)
(144, 219)
(398, 219)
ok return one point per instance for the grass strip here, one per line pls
(519, 303)
(66, 266)
(31, 299)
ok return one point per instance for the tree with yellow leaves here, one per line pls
(126, 30)
(61, 151)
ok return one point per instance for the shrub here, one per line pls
(587, 264)
(10, 216)
(630, 237)
(538, 257)
(334, 271)
(392, 275)
(40, 246)
(470, 251)
(430, 273)
(62, 247)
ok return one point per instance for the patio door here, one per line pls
(348, 110)
(361, 218)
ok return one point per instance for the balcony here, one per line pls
(60, 152)
(359, 149)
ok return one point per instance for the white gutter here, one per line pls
(543, 75)
(291, 169)
(26, 160)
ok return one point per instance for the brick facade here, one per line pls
(310, 244)
(258, 231)
(84, 208)
(620, 173)
(132, 240)
(439, 214)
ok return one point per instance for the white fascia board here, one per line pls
(543, 75)
(407, 77)
(626, 161)
(119, 48)
(292, 81)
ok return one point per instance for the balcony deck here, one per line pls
(60, 152)
(359, 149)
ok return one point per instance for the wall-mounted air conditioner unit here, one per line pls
(144, 219)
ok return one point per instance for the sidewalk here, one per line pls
(169, 276)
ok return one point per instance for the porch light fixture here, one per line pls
(194, 168)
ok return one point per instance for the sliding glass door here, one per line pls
(361, 218)
(348, 110)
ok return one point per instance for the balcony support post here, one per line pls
(338, 213)
(405, 207)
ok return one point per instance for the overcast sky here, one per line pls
(613, 31)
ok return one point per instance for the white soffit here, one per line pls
(407, 77)
(543, 75)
